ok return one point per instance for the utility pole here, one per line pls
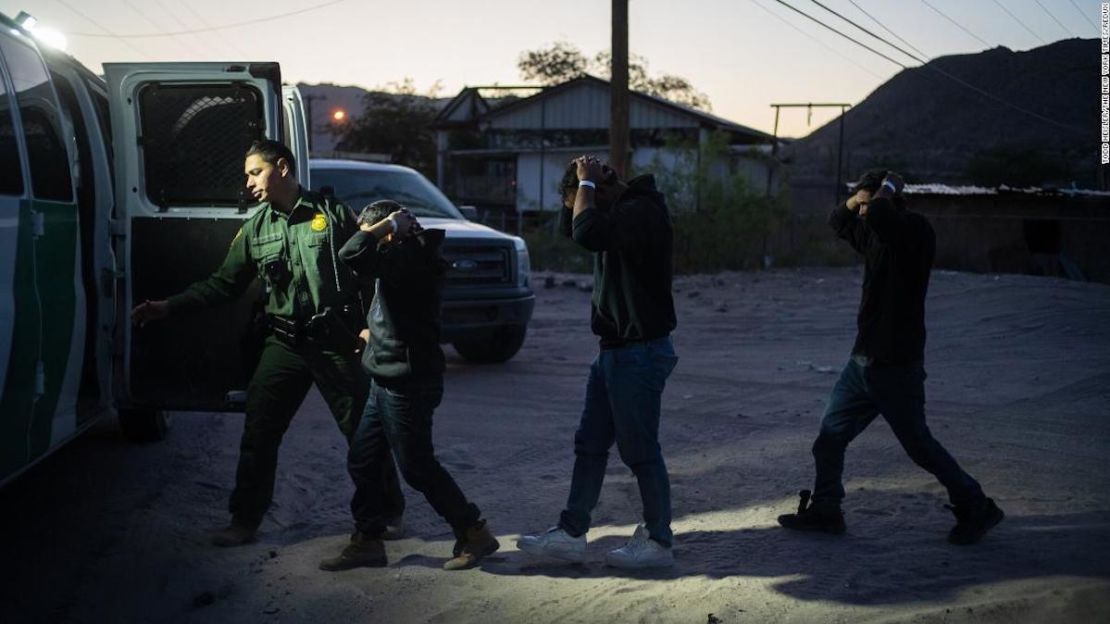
(809, 106)
(618, 91)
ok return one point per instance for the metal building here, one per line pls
(507, 155)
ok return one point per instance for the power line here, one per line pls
(848, 37)
(214, 28)
(229, 42)
(98, 25)
(815, 39)
(197, 39)
(957, 24)
(933, 66)
(883, 26)
(146, 18)
(1067, 31)
(865, 31)
(1029, 30)
(1081, 12)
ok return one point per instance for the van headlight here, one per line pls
(523, 262)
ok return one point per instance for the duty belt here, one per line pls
(332, 326)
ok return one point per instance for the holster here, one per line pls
(331, 328)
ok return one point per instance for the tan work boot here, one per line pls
(475, 543)
(233, 534)
(362, 552)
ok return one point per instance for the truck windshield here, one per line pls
(357, 188)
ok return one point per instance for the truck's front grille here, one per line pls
(471, 263)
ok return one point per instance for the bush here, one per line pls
(551, 251)
(720, 222)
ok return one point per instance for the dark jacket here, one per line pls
(898, 248)
(404, 317)
(632, 243)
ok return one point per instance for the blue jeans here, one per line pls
(399, 418)
(623, 404)
(898, 393)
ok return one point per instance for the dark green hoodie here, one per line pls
(632, 242)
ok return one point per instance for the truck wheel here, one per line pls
(492, 347)
(143, 424)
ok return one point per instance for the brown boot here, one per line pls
(475, 543)
(234, 534)
(362, 552)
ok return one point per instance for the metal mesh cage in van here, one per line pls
(194, 139)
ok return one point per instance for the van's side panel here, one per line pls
(39, 391)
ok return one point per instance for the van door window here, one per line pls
(194, 139)
(46, 151)
(11, 183)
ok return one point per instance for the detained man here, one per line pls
(406, 364)
(886, 372)
(628, 228)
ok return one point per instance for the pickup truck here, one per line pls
(488, 299)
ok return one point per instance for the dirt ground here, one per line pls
(1018, 390)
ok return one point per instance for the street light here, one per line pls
(339, 115)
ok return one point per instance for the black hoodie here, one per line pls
(898, 248)
(632, 243)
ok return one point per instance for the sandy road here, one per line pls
(1019, 391)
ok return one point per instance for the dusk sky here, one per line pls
(744, 54)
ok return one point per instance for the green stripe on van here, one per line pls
(43, 328)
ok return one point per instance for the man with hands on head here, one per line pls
(313, 312)
(885, 374)
(405, 364)
(628, 227)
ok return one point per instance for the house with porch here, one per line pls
(506, 156)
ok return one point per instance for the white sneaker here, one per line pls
(556, 543)
(640, 552)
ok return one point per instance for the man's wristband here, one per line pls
(587, 184)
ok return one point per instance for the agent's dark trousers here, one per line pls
(623, 397)
(400, 418)
(898, 393)
(276, 391)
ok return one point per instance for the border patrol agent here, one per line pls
(315, 318)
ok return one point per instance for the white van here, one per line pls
(111, 192)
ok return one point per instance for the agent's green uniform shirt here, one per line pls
(294, 254)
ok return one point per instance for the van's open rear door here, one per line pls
(180, 132)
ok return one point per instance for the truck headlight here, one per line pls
(523, 262)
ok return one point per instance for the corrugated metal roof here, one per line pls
(965, 190)
(583, 103)
(464, 107)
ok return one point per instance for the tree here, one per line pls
(562, 61)
(397, 121)
(550, 66)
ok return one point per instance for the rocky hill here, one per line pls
(935, 129)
